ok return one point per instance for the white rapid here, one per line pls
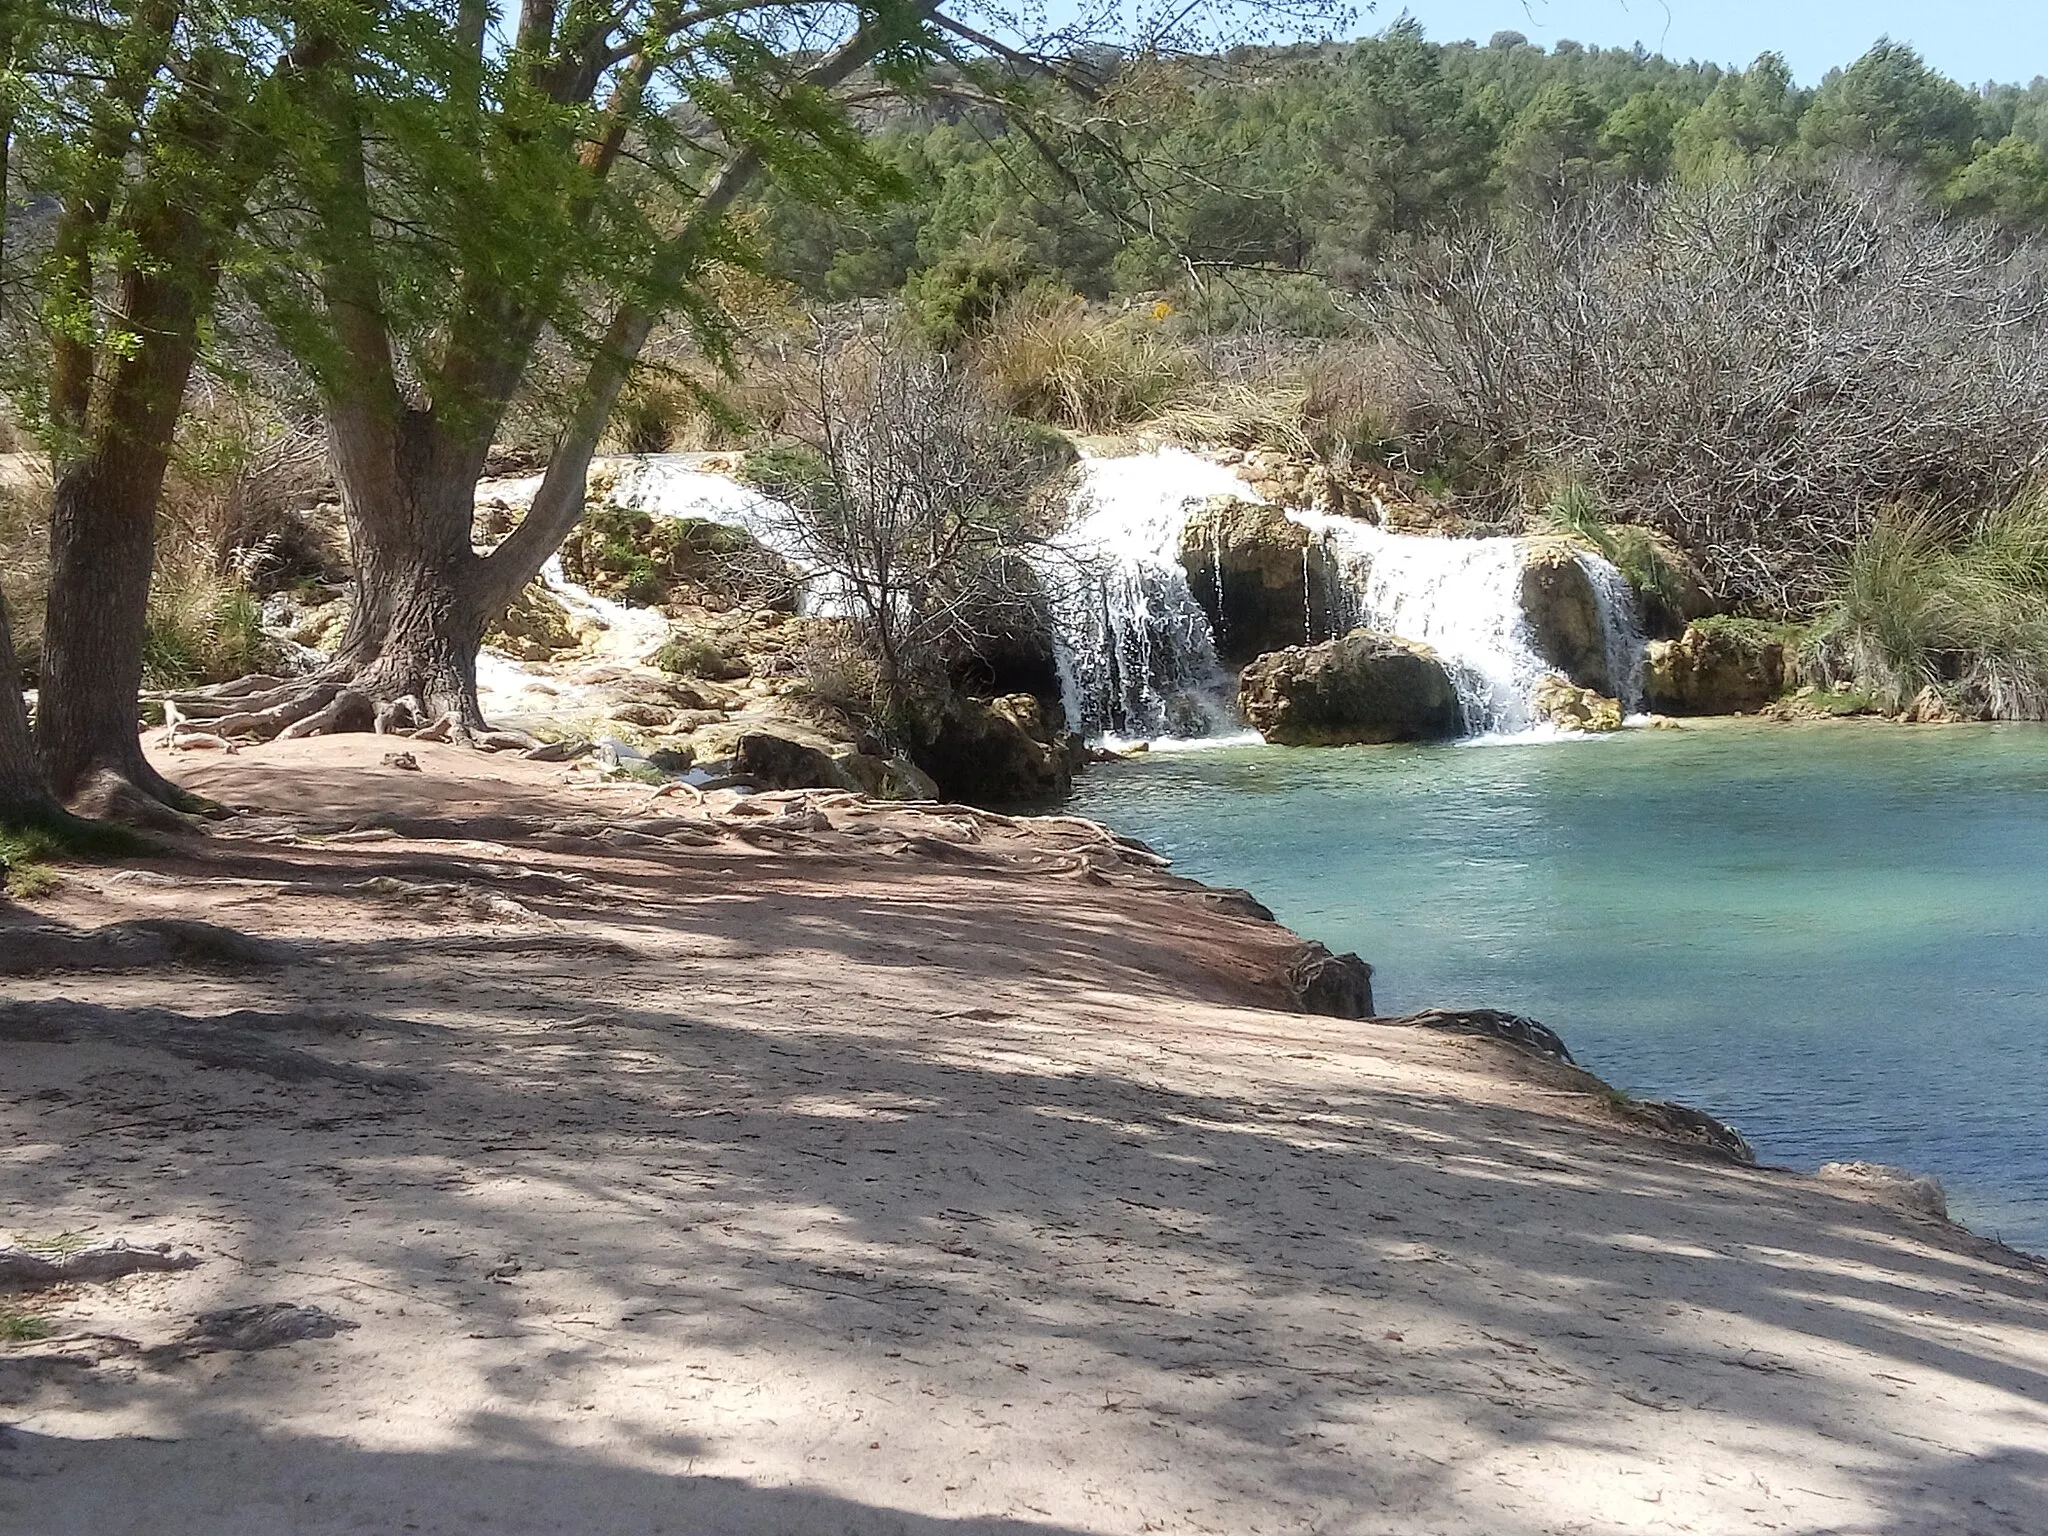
(1460, 597)
(1136, 654)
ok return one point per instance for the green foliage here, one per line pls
(202, 628)
(1890, 104)
(955, 301)
(17, 1327)
(2008, 182)
(1926, 604)
(31, 850)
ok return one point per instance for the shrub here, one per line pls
(1923, 603)
(202, 628)
(697, 656)
(955, 301)
(1048, 360)
(1750, 365)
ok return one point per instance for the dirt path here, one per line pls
(851, 1170)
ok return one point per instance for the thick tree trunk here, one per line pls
(103, 524)
(409, 491)
(102, 550)
(23, 795)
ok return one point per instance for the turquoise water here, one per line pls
(1834, 937)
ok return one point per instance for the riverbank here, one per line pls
(884, 1170)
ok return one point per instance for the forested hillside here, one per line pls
(1321, 158)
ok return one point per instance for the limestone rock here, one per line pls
(1894, 1186)
(673, 561)
(1575, 709)
(1364, 687)
(999, 752)
(1336, 986)
(1563, 612)
(779, 762)
(1717, 667)
(1249, 567)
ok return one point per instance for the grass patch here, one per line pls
(203, 627)
(22, 1327)
(32, 850)
(1048, 360)
(1959, 607)
(1633, 550)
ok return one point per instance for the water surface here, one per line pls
(1835, 937)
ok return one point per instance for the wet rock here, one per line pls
(1671, 591)
(1575, 709)
(1364, 687)
(1251, 569)
(1336, 986)
(1491, 1023)
(1563, 612)
(1717, 667)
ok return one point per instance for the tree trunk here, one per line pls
(409, 492)
(23, 795)
(102, 550)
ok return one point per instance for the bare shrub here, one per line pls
(1755, 366)
(914, 499)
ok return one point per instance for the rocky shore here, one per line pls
(559, 1154)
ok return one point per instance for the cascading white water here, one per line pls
(1135, 651)
(1621, 629)
(1460, 597)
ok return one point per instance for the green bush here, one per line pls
(1924, 603)
(955, 301)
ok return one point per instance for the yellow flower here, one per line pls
(1161, 310)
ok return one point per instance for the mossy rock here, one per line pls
(1363, 688)
(632, 556)
(1718, 666)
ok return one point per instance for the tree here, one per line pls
(1745, 116)
(2008, 182)
(24, 797)
(913, 512)
(1553, 141)
(1889, 103)
(139, 120)
(579, 181)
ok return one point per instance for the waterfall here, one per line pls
(1135, 652)
(1621, 629)
(1460, 597)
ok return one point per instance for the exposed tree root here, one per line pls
(269, 709)
(265, 1325)
(138, 945)
(109, 1261)
(239, 1039)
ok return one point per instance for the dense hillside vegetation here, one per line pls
(1322, 158)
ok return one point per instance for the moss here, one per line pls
(696, 656)
(22, 1327)
(31, 850)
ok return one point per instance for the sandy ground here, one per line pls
(878, 1171)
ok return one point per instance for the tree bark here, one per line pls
(103, 520)
(409, 492)
(23, 795)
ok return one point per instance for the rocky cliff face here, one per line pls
(1364, 687)
(1717, 667)
(1253, 572)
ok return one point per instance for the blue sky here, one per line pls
(1971, 40)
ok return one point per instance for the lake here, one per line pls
(1835, 936)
